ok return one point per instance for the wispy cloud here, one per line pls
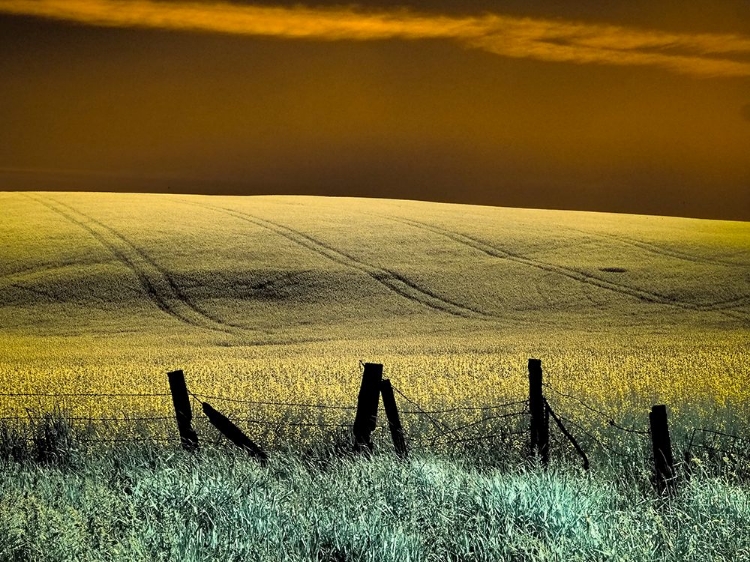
(703, 54)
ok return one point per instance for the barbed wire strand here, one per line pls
(127, 440)
(609, 418)
(296, 424)
(591, 436)
(466, 408)
(201, 398)
(721, 433)
(477, 422)
(108, 440)
(432, 420)
(271, 423)
(90, 418)
(581, 402)
(628, 430)
(485, 437)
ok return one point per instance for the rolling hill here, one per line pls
(261, 269)
(262, 295)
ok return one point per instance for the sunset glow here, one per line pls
(632, 108)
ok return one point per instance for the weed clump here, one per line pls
(46, 440)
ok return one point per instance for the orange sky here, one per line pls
(588, 106)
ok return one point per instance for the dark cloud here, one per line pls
(745, 111)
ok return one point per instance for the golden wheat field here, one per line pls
(279, 298)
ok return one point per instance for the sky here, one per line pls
(632, 107)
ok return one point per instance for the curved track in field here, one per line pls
(735, 302)
(393, 281)
(722, 307)
(157, 283)
(647, 296)
(656, 249)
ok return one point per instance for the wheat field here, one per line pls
(279, 298)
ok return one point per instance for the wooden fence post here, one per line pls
(662, 445)
(233, 433)
(394, 422)
(184, 415)
(539, 417)
(367, 407)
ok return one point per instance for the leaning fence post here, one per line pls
(662, 444)
(367, 406)
(184, 415)
(233, 433)
(394, 422)
(539, 418)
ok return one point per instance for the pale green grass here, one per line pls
(138, 504)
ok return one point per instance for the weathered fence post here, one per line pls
(367, 406)
(539, 417)
(233, 433)
(663, 460)
(394, 422)
(184, 415)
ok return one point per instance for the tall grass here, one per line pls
(147, 502)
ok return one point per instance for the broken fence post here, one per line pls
(233, 433)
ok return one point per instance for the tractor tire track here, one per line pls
(733, 303)
(728, 304)
(156, 282)
(656, 249)
(723, 307)
(647, 246)
(576, 275)
(393, 281)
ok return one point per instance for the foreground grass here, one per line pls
(143, 503)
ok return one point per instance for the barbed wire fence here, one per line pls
(37, 410)
(447, 428)
(606, 421)
(731, 449)
(442, 432)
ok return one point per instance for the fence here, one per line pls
(118, 428)
(536, 410)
